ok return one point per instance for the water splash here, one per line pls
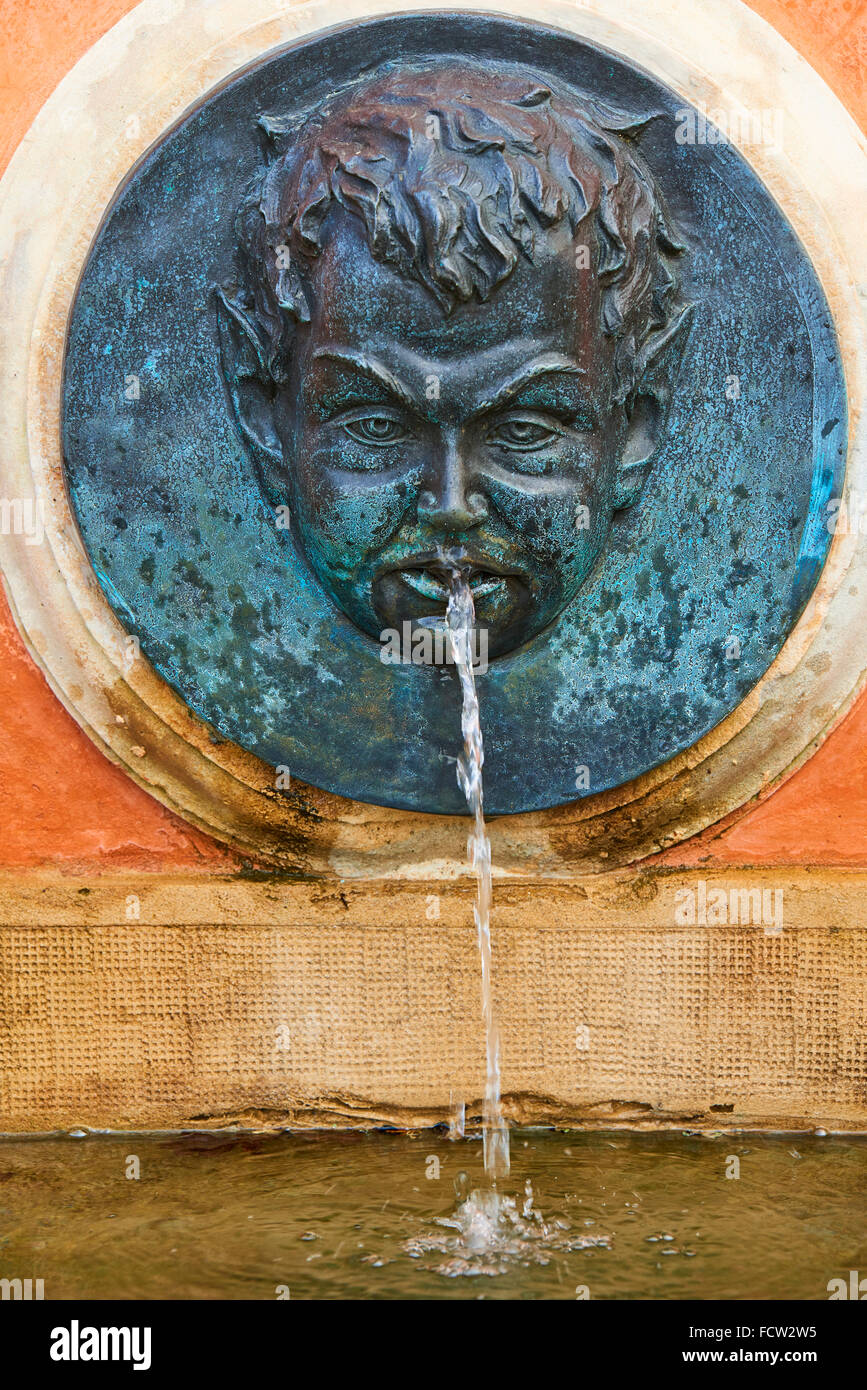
(460, 621)
(458, 1121)
(491, 1234)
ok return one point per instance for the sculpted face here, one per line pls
(486, 433)
(446, 347)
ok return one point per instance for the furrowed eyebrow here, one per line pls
(346, 357)
(549, 365)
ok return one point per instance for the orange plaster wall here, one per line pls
(63, 803)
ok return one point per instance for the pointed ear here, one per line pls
(250, 385)
(648, 403)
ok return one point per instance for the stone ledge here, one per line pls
(639, 899)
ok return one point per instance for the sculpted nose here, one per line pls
(452, 512)
(451, 502)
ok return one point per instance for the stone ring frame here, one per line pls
(121, 97)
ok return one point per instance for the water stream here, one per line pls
(490, 1231)
(460, 620)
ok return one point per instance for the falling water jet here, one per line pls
(460, 620)
(490, 1231)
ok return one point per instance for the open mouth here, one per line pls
(417, 591)
(432, 584)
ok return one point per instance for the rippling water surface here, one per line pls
(385, 1215)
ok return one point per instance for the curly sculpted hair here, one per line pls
(455, 171)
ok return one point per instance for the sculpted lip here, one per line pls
(427, 575)
(433, 584)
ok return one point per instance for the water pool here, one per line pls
(614, 1215)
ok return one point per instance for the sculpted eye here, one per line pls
(375, 429)
(523, 435)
